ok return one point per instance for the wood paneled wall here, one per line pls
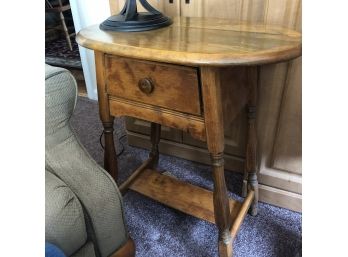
(279, 107)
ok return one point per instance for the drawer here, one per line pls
(170, 86)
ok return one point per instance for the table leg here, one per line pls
(151, 162)
(155, 138)
(211, 93)
(251, 147)
(251, 160)
(110, 160)
(245, 183)
(221, 205)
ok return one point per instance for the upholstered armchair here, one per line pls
(84, 210)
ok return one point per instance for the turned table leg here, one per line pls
(245, 183)
(250, 175)
(251, 160)
(221, 205)
(155, 138)
(211, 93)
(151, 162)
(110, 160)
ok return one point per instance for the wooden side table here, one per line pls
(174, 77)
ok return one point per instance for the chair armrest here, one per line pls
(68, 160)
(64, 218)
(95, 189)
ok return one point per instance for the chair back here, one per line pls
(60, 101)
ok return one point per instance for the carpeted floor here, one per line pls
(161, 231)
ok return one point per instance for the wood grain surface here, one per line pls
(191, 124)
(174, 87)
(179, 195)
(198, 41)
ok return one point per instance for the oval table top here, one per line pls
(199, 41)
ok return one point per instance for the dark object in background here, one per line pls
(129, 19)
(59, 7)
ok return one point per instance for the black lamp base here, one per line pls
(129, 20)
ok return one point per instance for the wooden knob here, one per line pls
(146, 85)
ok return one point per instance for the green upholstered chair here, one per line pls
(84, 210)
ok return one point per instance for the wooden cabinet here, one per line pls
(279, 105)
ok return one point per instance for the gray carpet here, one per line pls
(161, 231)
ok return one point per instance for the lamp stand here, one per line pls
(129, 19)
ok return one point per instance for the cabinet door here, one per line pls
(212, 8)
(170, 8)
(279, 124)
(116, 6)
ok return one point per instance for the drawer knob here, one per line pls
(146, 85)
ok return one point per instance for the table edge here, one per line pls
(193, 59)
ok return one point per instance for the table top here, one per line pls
(199, 41)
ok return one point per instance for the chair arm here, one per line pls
(95, 189)
(69, 160)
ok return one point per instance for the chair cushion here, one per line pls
(64, 222)
(86, 251)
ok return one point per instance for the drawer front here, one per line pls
(169, 86)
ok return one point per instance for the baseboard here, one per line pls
(184, 151)
(280, 198)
